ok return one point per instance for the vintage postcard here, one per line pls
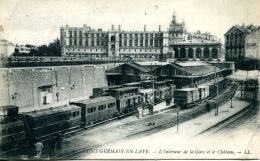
(129, 79)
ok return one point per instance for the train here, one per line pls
(106, 103)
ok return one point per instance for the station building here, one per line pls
(183, 73)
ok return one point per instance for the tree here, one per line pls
(54, 48)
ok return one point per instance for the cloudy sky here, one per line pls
(39, 21)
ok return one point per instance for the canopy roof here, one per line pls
(242, 75)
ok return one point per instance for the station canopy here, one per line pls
(243, 75)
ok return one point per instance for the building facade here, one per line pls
(84, 41)
(6, 48)
(174, 43)
(235, 42)
(252, 44)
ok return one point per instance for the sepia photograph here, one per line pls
(129, 79)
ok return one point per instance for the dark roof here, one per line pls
(50, 111)
(201, 70)
(95, 100)
(142, 68)
(243, 28)
(195, 70)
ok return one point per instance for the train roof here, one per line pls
(133, 83)
(158, 82)
(50, 111)
(186, 89)
(125, 88)
(202, 86)
(95, 100)
(146, 90)
(109, 87)
(147, 81)
(8, 107)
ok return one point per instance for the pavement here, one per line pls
(130, 132)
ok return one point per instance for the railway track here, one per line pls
(195, 111)
(225, 123)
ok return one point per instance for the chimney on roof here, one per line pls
(159, 28)
(144, 28)
(112, 27)
(85, 25)
(119, 27)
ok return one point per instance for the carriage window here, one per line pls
(69, 114)
(92, 109)
(77, 113)
(74, 114)
(9, 130)
(101, 107)
(111, 105)
(16, 129)
(4, 131)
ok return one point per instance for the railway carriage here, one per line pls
(11, 128)
(127, 99)
(203, 92)
(48, 122)
(147, 95)
(97, 109)
(185, 96)
(103, 91)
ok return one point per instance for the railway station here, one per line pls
(167, 91)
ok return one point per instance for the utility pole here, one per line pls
(177, 110)
(231, 106)
(153, 92)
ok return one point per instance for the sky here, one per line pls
(38, 22)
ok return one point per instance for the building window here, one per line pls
(156, 42)
(80, 42)
(146, 42)
(80, 33)
(70, 42)
(125, 43)
(75, 33)
(141, 42)
(86, 42)
(151, 42)
(70, 33)
(130, 42)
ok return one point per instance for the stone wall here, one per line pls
(31, 87)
